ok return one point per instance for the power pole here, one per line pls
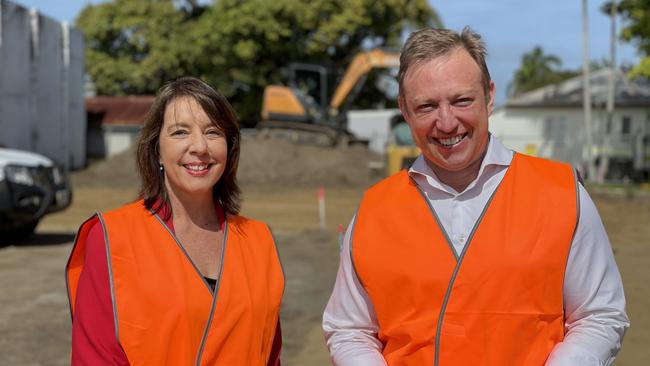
(586, 95)
(611, 92)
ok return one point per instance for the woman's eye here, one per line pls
(214, 132)
(179, 133)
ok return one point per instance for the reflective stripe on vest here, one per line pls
(165, 311)
(500, 302)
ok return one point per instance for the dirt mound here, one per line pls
(264, 163)
(118, 171)
(280, 163)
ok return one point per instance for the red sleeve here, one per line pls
(274, 359)
(93, 328)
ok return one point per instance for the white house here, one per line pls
(114, 123)
(549, 122)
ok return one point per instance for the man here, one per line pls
(476, 255)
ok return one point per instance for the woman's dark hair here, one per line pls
(152, 190)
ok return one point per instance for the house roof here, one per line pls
(568, 93)
(127, 110)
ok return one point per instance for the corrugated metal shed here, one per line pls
(41, 85)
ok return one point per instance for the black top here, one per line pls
(212, 282)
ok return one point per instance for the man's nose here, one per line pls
(446, 122)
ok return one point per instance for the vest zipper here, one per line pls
(459, 261)
(214, 297)
(216, 287)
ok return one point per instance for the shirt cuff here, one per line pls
(358, 358)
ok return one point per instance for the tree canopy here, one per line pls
(239, 46)
(132, 47)
(636, 29)
(537, 69)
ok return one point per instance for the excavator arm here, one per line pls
(357, 71)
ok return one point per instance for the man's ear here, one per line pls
(490, 104)
(401, 103)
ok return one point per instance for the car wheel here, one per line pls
(22, 231)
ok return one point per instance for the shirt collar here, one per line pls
(496, 155)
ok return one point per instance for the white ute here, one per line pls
(31, 185)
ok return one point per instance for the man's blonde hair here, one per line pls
(430, 43)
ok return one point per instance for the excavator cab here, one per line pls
(312, 84)
(315, 100)
(302, 105)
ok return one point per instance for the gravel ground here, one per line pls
(279, 183)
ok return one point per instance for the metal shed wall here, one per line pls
(41, 86)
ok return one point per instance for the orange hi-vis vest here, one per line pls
(165, 312)
(500, 301)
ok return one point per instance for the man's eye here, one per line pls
(426, 107)
(462, 102)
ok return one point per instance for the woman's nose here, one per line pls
(198, 144)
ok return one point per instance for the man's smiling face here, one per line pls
(444, 102)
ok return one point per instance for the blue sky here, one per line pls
(509, 27)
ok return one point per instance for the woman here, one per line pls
(178, 278)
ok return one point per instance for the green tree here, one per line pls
(239, 46)
(245, 44)
(133, 46)
(636, 29)
(537, 69)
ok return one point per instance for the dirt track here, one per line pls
(34, 320)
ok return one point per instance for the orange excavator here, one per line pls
(306, 106)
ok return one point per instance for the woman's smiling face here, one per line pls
(192, 149)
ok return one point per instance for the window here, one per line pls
(555, 130)
(608, 124)
(626, 125)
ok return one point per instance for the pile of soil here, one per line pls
(118, 171)
(264, 163)
(279, 163)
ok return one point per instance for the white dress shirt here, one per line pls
(594, 303)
